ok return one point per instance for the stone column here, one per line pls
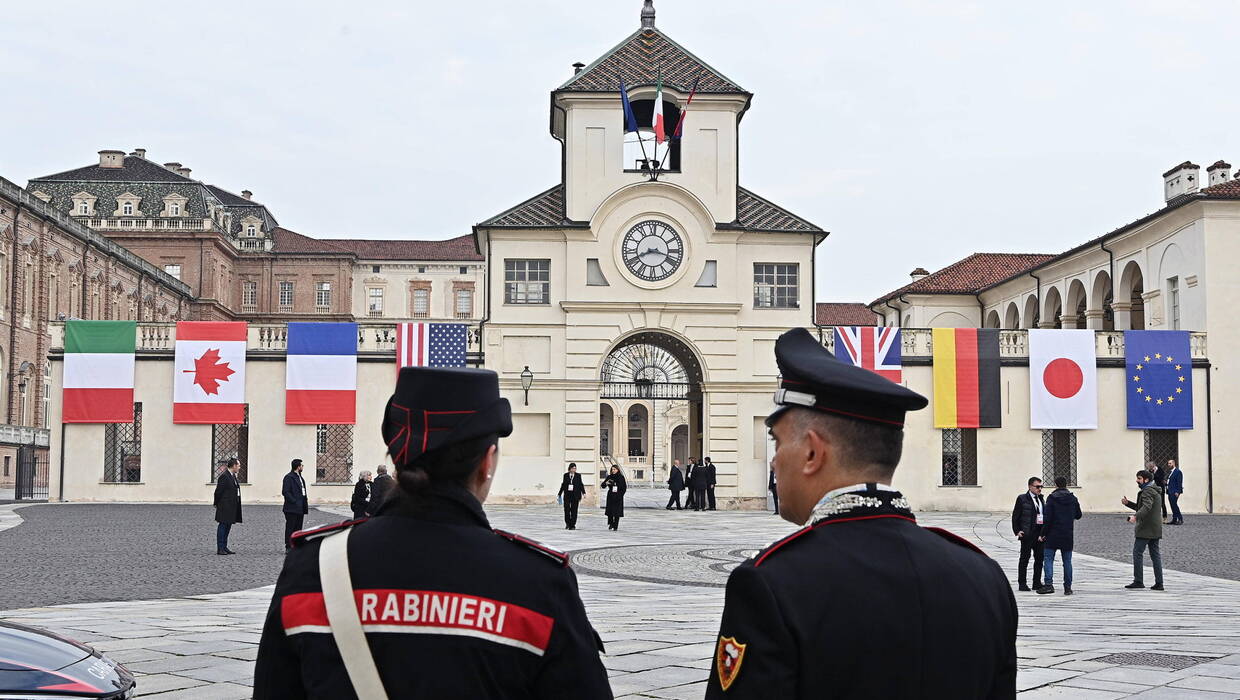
(1094, 319)
(1046, 324)
(1068, 322)
(1123, 315)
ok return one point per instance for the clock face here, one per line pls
(653, 250)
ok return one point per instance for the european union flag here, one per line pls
(1159, 380)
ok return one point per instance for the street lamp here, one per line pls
(527, 380)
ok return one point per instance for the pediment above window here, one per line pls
(174, 205)
(127, 205)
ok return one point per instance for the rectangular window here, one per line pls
(464, 303)
(1162, 445)
(323, 297)
(230, 440)
(122, 450)
(374, 301)
(1173, 303)
(464, 270)
(960, 457)
(775, 285)
(1059, 455)
(174, 270)
(422, 303)
(527, 281)
(127, 208)
(249, 295)
(375, 268)
(286, 296)
(333, 446)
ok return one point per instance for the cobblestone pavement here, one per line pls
(101, 552)
(1204, 544)
(650, 591)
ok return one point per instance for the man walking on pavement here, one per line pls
(296, 502)
(676, 483)
(1027, 519)
(227, 503)
(1175, 488)
(1148, 532)
(1062, 511)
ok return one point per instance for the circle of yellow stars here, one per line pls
(1168, 360)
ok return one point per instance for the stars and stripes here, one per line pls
(431, 344)
(875, 349)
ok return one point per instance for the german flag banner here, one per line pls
(966, 378)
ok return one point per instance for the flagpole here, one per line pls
(637, 131)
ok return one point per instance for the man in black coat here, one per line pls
(710, 483)
(1027, 521)
(697, 486)
(770, 485)
(676, 483)
(572, 488)
(379, 489)
(861, 602)
(227, 502)
(296, 502)
(690, 469)
(361, 495)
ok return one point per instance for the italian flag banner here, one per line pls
(99, 362)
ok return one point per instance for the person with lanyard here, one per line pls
(828, 610)
(571, 491)
(614, 485)
(425, 599)
(1027, 521)
(296, 502)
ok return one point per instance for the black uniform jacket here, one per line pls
(361, 496)
(227, 500)
(451, 609)
(579, 487)
(865, 603)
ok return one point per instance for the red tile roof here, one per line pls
(459, 248)
(972, 274)
(1224, 190)
(838, 314)
(286, 241)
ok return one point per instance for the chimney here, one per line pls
(173, 166)
(111, 159)
(184, 172)
(1183, 179)
(140, 152)
(1218, 173)
(919, 273)
(246, 194)
(577, 67)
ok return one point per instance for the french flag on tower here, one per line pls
(321, 374)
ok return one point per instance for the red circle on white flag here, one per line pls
(1063, 378)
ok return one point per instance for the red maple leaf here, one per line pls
(209, 371)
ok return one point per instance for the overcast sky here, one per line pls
(916, 132)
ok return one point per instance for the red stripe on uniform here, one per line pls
(97, 406)
(211, 330)
(968, 404)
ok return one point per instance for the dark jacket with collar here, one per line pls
(826, 611)
(227, 500)
(710, 475)
(615, 486)
(675, 480)
(294, 491)
(1175, 482)
(1149, 513)
(379, 489)
(1025, 515)
(361, 496)
(578, 489)
(427, 565)
(1059, 519)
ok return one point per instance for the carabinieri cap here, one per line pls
(811, 377)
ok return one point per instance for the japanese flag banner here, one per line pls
(208, 384)
(1063, 379)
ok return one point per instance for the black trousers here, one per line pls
(292, 523)
(699, 498)
(710, 496)
(613, 522)
(1030, 544)
(570, 510)
(775, 496)
(674, 499)
(689, 502)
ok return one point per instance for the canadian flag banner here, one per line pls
(1063, 379)
(208, 385)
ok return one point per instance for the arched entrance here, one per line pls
(657, 373)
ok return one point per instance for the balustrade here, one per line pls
(919, 343)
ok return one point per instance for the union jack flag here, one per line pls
(875, 349)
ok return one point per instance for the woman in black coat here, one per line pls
(615, 487)
(360, 502)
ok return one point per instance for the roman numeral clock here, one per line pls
(652, 251)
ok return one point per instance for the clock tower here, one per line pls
(645, 290)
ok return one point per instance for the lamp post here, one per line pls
(527, 380)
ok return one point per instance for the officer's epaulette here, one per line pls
(303, 536)
(956, 539)
(774, 546)
(551, 553)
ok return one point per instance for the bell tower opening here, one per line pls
(642, 153)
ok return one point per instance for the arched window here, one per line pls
(641, 153)
(127, 208)
(251, 230)
(637, 431)
(83, 208)
(175, 207)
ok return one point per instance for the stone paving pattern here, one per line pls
(660, 636)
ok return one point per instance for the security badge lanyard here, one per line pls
(1037, 504)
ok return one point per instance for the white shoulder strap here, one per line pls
(343, 618)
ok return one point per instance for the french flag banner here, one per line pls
(321, 373)
(208, 384)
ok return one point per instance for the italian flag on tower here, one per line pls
(656, 121)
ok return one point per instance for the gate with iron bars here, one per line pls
(32, 469)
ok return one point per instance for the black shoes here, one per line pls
(1157, 587)
(1067, 590)
(222, 552)
(1023, 587)
(1045, 589)
(1135, 585)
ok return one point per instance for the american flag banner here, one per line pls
(430, 344)
(875, 349)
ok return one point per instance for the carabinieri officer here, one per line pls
(861, 602)
(425, 599)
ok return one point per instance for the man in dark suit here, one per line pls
(1175, 487)
(379, 489)
(675, 483)
(572, 488)
(1027, 520)
(361, 495)
(227, 502)
(690, 468)
(771, 486)
(296, 502)
(828, 610)
(710, 482)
